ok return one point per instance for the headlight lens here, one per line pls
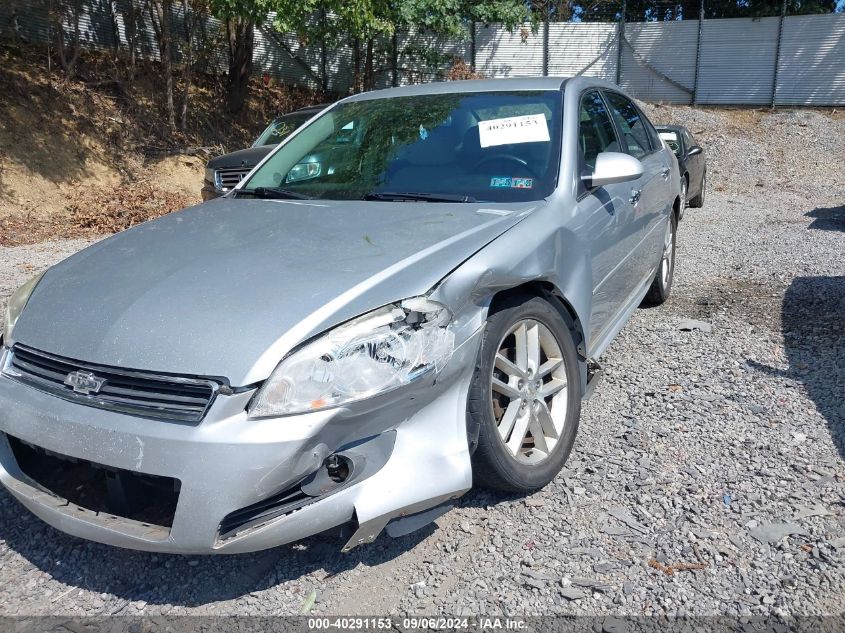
(209, 175)
(17, 302)
(382, 350)
(303, 171)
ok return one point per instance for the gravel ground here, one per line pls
(707, 478)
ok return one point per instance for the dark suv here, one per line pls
(222, 173)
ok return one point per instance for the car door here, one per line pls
(651, 193)
(605, 214)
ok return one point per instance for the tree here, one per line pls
(193, 12)
(160, 14)
(240, 17)
(67, 16)
(364, 25)
(133, 26)
(367, 26)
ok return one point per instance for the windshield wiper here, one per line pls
(417, 196)
(274, 193)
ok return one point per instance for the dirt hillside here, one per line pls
(71, 151)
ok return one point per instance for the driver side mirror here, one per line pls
(695, 149)
(613, 167)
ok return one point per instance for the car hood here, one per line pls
(249, 157)
(226, 288)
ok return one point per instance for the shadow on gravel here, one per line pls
(827, 219)
(167, 579)
(191, 581)
(813, 326)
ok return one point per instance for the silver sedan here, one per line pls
(405, 299)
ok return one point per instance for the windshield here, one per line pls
(281, 128)
(488, 146)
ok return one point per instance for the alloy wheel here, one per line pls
(529, 395)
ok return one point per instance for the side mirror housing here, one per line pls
(613, 167)
(695, 149)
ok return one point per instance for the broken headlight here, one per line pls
(382, 350)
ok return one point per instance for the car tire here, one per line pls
(661, 285)
(684, 192)
(507, 402)
(698, 201)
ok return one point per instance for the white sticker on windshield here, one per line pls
(530, 128)
(669, 136)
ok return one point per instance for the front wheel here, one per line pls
(524, 401)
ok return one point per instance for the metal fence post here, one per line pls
(698, 53)
(394, 61)
(324, 73)
(546, 46)
(777, 54)
(620, 40)
(472, 46)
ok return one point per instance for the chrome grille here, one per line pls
(164, 397)
(228, 178)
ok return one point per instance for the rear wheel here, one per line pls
(661, 286)
(684, 192)
(524, 401)
(698, 201)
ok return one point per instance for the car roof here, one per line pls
(467, 86)
(317, 106)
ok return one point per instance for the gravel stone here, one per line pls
(570, 593)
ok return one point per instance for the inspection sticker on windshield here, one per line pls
(516, 129)
(513, 183)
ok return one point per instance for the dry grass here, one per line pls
(117, 209)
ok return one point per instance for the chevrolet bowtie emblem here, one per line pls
(84, 382)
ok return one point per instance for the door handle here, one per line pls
(635, 196)
(665, 173)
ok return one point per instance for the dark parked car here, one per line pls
(691, 163)
(222, 173)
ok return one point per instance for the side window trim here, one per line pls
(606, 105)
(619, 137)
(583, 191)
(619, 133)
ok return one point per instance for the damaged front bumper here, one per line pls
(230, 484)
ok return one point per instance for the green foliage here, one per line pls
(336, 20)
(251, 10)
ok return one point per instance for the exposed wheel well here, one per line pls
(547, 291)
